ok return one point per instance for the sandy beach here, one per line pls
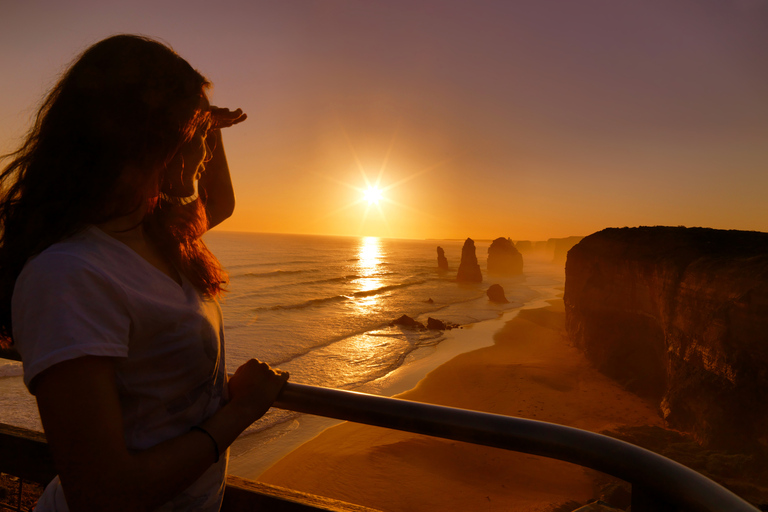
(532, 372)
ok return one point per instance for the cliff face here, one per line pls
(561, 246)
(679, 316)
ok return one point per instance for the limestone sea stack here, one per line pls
(495, 293)
(504, 259)
(442, 261)
(680, 316)
(469, 270)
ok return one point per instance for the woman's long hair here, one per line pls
(98, 150)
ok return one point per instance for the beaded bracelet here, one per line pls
(215, 444)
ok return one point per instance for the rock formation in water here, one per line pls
(469, 270)
(435, 324)
(496, 294)
(678, 315)
(407, 321)
(504, 259)
(442, 261)
(439, 325)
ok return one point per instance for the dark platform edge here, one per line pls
(25, 454)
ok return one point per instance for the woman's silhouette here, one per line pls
(108, 292)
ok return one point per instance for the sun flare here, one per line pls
(373, 195)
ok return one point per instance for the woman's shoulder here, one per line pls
(83, 259)
(92, 259)
(88, 249)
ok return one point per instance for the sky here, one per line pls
(522, 119)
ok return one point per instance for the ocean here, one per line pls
(321, 308)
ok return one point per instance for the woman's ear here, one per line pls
(172, 175)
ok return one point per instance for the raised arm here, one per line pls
(80, 409)
(216, 182)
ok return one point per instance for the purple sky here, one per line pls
(479, 118)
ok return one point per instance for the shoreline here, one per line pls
(283, 439)
(276, 443)
(530, 371)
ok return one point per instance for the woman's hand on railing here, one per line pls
(254, 387)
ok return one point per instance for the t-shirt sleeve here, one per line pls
(64, 308)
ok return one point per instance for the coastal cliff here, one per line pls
(559, 247)
(679, 316)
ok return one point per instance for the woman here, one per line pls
(108, 292)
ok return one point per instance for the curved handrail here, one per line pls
(657, 482)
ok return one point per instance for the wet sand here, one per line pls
(531, 372)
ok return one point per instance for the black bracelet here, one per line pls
(215, 444)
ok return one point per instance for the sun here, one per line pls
(373, 195)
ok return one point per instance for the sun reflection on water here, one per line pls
(368, 261)
(369, 255)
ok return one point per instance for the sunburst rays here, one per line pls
(373, 193)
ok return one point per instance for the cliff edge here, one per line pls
(680, 316)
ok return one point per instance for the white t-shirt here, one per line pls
(93, 295)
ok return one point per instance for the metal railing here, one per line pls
(658, 484)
